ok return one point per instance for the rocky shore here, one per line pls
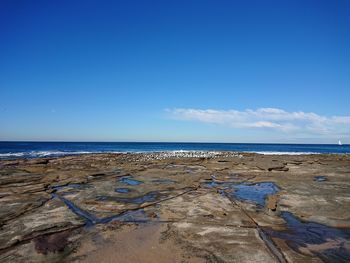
(176, 207)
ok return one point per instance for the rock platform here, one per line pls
(176, 207)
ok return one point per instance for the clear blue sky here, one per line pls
(120, 70)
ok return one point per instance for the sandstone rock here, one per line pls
(67, 209)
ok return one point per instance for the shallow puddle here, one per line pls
(320, 178)
(129, 181)
(255, 193)
(213, 184)
(123, 190)
(90, 219)
(329, 243)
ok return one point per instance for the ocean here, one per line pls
(12, 150)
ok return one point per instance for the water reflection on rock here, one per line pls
(329, 243)
(90, 219)
(123, 190)
(251, 192)
(129, 181)
(320, 178)
(255, 193)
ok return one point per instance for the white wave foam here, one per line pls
(158, 154)
(12, 154)
(33, 154)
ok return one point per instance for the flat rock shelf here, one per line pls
(184, 207)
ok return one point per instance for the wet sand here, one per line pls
(184, 207)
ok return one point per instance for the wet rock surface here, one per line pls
(193, 207)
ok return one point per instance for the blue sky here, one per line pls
(220, 71)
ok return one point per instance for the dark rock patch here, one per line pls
(52, 243)
(278, 168)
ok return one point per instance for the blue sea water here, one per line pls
(11, 150)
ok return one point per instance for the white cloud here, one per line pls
(268, 118)
(341, 119)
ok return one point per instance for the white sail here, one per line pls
(339, 142)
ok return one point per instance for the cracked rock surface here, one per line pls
(161, 207)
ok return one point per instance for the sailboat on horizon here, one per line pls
(339, 143)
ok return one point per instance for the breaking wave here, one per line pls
(38, 154)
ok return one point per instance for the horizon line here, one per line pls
(170, 142)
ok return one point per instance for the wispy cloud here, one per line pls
(268, 118)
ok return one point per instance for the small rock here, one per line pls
(272, 202)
